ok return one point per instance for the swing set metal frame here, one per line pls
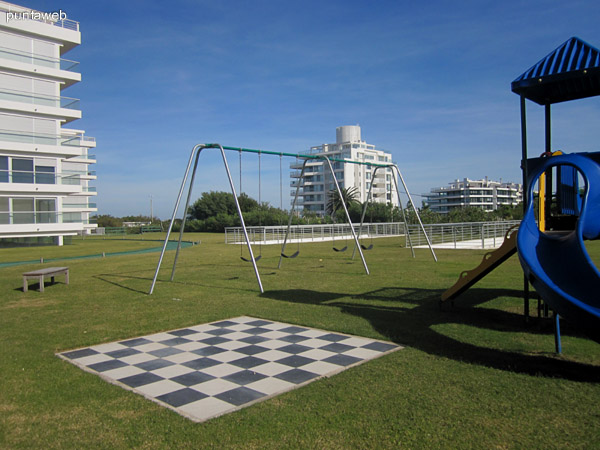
(194, 157)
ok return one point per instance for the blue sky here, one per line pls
(427, 81)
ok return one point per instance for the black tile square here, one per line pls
(224, 323)
(259, 323)
(107, 365)
(214, 340)
(240, 395)
(162, 352)
(252, 350)
(294, 348)
(342, 360)
(254, 339)
(192, 378)
(295, 361)
(208, 351)
(296, 376)
(248, 362)
(293, 330)
(140, 379)
(336, 347)
(380, 346)
(154, 364)
(75, 354)
(135, 342)
(257, 330)
(332, 337)
(219, 331)
(294, 338)
(122, 353)
(175, 341)
(183, 332)
(181, 397)
(201, 363)
(244, 377)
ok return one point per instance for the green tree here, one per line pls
(335, 202)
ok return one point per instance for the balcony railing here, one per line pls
(79, 205)
(42, 217)
(72, 177)
(39, 99)
(44, 139)
(38, 60)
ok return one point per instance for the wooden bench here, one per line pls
(42, 273)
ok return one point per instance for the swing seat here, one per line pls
(250, 259)
(364, 247)
(343, 249)
(293, 255)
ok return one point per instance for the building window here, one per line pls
(4, 211)
(22, 170)
(23, 210)
(3, 169)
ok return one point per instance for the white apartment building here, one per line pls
(318, 182)
(485, 194)
(45, 175)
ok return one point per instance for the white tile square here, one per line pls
(150, 347)
(356, 342)
(274, 344)
(274, 334)
(321, 368)
(110, 347)
(315, 343)
(122, 372)
(271, 369)
(197, 336)
(93, 359)
(222, 370)
(172, 371)
(159, 388)
(240, 327)
(180, 358)
(137, 358)
(317, 354)
(203, 328)
(190, 346)
(237, 335)
(273, 355)
(362, 353)
(312, 333)
(206, 408)
(227, 356)
(160, 337)
(271, 386)
(231, 345)
(215, 387)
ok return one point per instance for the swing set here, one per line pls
(194, 157)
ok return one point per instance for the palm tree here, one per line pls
(349, 197)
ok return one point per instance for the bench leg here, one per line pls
(67, 277)
(25, 284)
(41, 283)
(52, 280)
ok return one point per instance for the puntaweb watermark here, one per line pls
(39, 16)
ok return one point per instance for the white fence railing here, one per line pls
(312, 233)
(451, 235)
(478, 234)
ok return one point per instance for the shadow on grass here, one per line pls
(414, 326)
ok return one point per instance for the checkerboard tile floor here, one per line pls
(208, 370)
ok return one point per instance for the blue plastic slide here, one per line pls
(558, 265)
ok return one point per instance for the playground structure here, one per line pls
(194, 158)
(551, 249)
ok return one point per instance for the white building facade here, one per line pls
(45, 175)
(484, 194)
(317, 183)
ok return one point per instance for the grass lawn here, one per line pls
(475, 375)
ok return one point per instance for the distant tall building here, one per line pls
(44, 168)
(318, 182)
(485, 194)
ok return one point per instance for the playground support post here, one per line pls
(287, 233)
(525, 192)
(339, 191)
(198, 148)
(394, 166)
